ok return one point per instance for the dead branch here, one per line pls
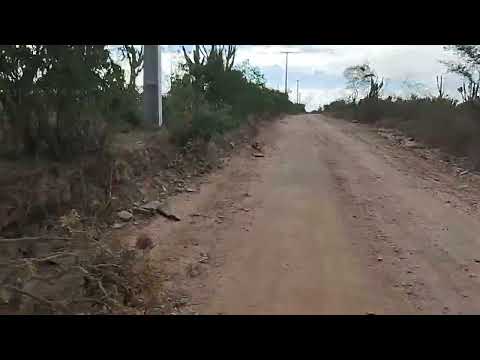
(39, 299)
(112, 282)
(53, 256)
(142, 210)
(30, 238)
(105, 265)
(167, 215)
(109, 188)
(81, 268)
(100, 285)
(50, 278)
(23, 261)
(92, 300)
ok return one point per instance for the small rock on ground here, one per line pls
(152, 205)
(125, 215)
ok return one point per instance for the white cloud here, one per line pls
(393, 62)
(320, 67)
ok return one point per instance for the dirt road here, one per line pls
(333, 220)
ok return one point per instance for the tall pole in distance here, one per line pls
(298, 99)
(159, 80)
(286, 70)
(286, 73)
(152, 86)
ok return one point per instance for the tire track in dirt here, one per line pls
(331, 221)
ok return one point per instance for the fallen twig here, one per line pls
(50, 278)
(167, 215)
(53, 256)
(100, 285)
(30, 238)
(143, 210)
(105, 265)
(198, 215)
(92, 300)
(39, 299)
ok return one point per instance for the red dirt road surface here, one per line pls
(334, 219)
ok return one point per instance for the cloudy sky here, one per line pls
(319, 68)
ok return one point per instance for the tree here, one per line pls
(134, 55)
(217, 57)
(376, 87)
(356, 80)
(414, 88)
(252, 73)
(362, 77)
(469, 91)
(210, 95)
(19, 66)
(440, 88)
(56, 96)
(468, 67)
(209, 70)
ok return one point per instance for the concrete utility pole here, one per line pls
(152, 85)
(286, 70)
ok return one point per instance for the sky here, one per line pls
(319, 68)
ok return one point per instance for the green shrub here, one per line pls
(57, 99)
(369, 110)
(439, 122)
(209, 121)
(341, 108)
(208, 99)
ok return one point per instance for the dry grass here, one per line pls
(64, 262)
(439, 123)
(82, 275)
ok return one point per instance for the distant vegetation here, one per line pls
(79, 113)
(440, 120)
(57, 100)
(209, 95)
(61, 101)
